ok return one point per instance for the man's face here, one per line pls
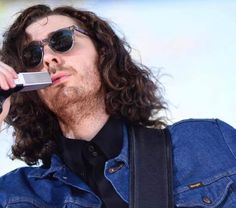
(74, 73)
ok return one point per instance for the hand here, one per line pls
(7, 76)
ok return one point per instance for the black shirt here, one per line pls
(87, 159)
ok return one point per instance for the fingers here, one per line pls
(7, 76)
(6, 107)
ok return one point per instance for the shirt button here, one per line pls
(83, 174)
(91, 148)
(95, 154)
(206, 200)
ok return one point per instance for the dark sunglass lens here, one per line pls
(32, 56)
(61, 40)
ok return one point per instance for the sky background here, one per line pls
(190, 44)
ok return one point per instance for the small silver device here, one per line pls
(33, 80)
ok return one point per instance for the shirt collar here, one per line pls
(109, 138)
(108, 142)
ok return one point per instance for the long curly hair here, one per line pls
(131, 92)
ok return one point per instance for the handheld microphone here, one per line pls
(26, 81)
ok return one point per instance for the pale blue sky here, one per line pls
(192, 43)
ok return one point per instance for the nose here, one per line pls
(51, 60)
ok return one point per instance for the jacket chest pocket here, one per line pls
(212, 195)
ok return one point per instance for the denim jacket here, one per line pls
(204, 173)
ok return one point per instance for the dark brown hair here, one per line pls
(131, 92)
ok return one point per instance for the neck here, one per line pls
(83, 121)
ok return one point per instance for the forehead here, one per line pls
(41, 28)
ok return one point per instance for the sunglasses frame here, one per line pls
(47, 40)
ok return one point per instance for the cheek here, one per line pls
(92, 76)
(87, 70)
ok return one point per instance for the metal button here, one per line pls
(64, 177)
(116, 168)
(206, 200)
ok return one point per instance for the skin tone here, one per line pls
(76, 95)
(6, 107)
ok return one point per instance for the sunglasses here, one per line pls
(59, 41)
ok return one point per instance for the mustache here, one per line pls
(55, 68)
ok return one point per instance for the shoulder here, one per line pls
(16, 173)
(202, 134)
(201, 127)
(199, 144)
(192, 122)
(14, 183)
(13, 178)
(20, 179)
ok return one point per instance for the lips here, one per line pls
(58, 77)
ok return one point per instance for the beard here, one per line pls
(70, 99)
(70, 102)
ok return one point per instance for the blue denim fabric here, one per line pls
(204, 163)
(204, 173)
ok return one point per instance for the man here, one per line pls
(78, 126)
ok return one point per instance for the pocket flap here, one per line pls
(208, 195)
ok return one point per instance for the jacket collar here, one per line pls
(59, 170)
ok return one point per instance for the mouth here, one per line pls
(59, 78)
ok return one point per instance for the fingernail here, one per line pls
(5, 88)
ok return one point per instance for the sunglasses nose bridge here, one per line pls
(44, 42)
